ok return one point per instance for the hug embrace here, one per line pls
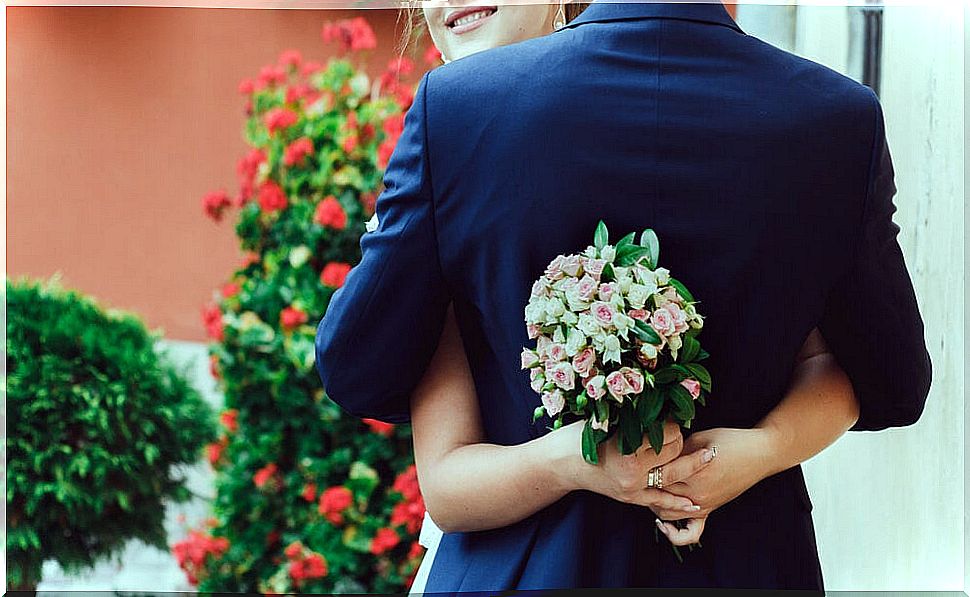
(767, 180)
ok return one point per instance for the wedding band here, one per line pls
(655, 477)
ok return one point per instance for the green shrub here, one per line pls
(96, 419)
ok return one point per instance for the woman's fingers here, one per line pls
(664, 501)
(686, 465)
(691, 534)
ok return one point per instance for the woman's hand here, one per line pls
(624, 477)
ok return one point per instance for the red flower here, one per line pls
(215, 450)
(278, 119)
(247, 86)
(384, 151)
(331, 213)
(416, 550)
(406, 483)
(334, 274)
(432, 57)
(311, 67)
(291, 58)
(230, 419)
(215, 203)
(246, 169)
(263, 475)
(351, 123)
(293, 550)
(192, 552)
(296, 152)
(249, 258)
(394, 126)
(398, 67)
(367, 132)
(310, 492)
(410, 514)
(333, 502)
(212, 319)
(316, 566)
(272, 75)
(350, 144)
(380, 427)
(230, 289)
(384, 540)
(369, 202)
(292, 317)
(352, 34)
(271, 197)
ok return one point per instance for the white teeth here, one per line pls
(470, 18)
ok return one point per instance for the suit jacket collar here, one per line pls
(622, 10)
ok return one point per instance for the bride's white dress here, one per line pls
(429, 537)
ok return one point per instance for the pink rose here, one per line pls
(533, 330)
(634, 378)
(693, 386)
(586, 288)
(554, 402)
(542, 345)
(663, 322)
(679, 317)
(539, 289)
(639, 314)
(562, 375)
(594, 267)
(556, 352)
(602, 313)
(606, 292)
(529, 358)
(536, 379)
(570, 265)
(554, 269)
(617, 384)
(583, 361)
(596, 387)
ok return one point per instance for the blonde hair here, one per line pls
(415, 26)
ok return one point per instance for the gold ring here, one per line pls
(655, 477)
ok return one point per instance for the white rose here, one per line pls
(611, 349)
(608, 253)
(575, 341)
(662, 275)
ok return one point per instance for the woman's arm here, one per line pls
(471, 485)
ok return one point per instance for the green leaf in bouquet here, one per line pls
(682, 290)
(608, 274)
(689, 350)
(601, 236)
(668, 375)
(626, 240)
(702, 399)
(589, 443)
(630, 435)
(602, 409)
(630, 254)
(683, 402)
(701, 355)
(655, 432)
(538, 412)
(649, 241)
(646, 333)
(649, 405)
(701, 374)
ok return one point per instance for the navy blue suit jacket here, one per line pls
(769, 182)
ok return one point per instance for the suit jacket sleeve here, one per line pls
(382, 326)
(871, 319)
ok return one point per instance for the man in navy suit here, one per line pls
(767, 177)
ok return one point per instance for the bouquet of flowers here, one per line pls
(616, 343)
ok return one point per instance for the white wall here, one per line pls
(890, 506)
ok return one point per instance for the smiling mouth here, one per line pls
(469, 18)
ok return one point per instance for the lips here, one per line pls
(468, 18)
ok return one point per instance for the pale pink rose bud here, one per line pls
(670, 293)
(583, 361)
(617, 384)
(595, 424)
(533, 330)
(529, 358)
(562, 375)
(602, 313)
(693, 386)
(556, 352)
(554, 269)
(570, 265)
(542, 346)
(554, 402)
(606, 292)
(539, 289)
(662, 322)
(634, 378)
(639, 314)
(537, 379)
(594, 267)
(679, 317)
(596, 387)
(586, 288)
